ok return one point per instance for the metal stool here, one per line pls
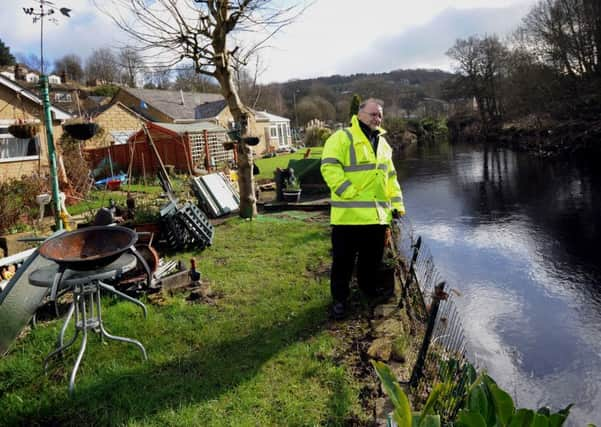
(86, 305)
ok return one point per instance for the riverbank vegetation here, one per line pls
(539, 90)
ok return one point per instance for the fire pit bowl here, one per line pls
(88, 248)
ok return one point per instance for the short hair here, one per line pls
(370, 100)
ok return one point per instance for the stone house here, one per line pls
(118, 122)
(276, 131)
(164, 106)
(18, 156)
(273, 131)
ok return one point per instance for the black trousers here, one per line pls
(363, 244)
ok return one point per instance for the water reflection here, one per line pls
(517, 235)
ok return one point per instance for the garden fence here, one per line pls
(436, 322)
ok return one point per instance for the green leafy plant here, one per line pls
(402, 414)
(489, 405)
(293, 185)
(485, 404)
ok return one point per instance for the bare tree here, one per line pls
(130, 62)
(567, 35)
(69, 66)
(315, 107)
(102, 65)
(187, 79)
(246, 79)
(209, 33)
(272, 99)
(33, 62)
(481, 64)
(159, 78)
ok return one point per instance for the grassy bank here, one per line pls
(260, 354)
(267, 166)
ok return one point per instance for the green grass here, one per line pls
(268, 166)
(98, 198)
(261, 356)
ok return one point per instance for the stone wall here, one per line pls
(116, 118)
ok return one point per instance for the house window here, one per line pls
(288, 131)
(12, 148)
(62, 97)
(273, 132)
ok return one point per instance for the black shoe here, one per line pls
(338, 310)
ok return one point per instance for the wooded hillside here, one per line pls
(329, 98)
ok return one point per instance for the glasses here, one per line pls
(374, 114)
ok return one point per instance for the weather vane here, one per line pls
(46, 10)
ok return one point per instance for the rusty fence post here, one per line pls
(410, 279)
(418, 369)
(410, 272)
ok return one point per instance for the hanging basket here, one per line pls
(24, 130)
(81, 131)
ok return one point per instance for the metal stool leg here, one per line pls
(115, 337)
(61, 346)
(82, 349)
(124, 296)
(61, 336)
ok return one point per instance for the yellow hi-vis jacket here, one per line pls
(364, 184)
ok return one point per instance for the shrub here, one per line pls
(76, 168)
(316, 137)
(105, 90)
(17, 199)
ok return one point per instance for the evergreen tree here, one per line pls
(6, 58)
(355, 102)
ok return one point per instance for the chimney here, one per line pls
(181, 95)
(19, 74)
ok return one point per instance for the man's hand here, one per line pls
(396, 214)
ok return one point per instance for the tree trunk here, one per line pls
(248, 202)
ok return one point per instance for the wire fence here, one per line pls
(436, 322)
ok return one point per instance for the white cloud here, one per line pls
(332, 36)
(343, 37)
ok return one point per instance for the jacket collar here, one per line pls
(357, 127)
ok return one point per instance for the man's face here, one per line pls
(371, 115)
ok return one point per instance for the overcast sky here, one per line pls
(331, 37)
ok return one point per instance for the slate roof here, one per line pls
(264, 116)
(196, 127)
(102, 108)
(169, 102)
(210, 109)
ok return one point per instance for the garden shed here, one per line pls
(183, 145)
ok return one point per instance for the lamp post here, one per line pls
(45, 11)
(295, 112)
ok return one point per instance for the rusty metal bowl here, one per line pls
(88, 248)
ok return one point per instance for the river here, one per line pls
(518, 236)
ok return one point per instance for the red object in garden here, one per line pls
(114, 184)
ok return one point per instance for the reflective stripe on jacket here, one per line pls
(364, 186)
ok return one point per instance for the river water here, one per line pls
(518, 236)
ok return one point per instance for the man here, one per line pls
(357, 166)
